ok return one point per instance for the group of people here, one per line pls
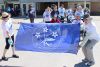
(64, 15)
(57, 16)
(13, 11)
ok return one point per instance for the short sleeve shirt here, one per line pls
(7, 26)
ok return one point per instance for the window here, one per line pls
(87, 5)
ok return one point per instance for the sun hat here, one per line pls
(5, 15)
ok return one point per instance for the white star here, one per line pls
(37, 35)
(54, 34)
(45, 43)
(45, 29)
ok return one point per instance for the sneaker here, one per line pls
(90, 63)
(15, 56)
(5, 58)
(85, 60)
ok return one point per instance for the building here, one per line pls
(1, 4)
(40, 5)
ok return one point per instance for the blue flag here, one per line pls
(48, 37)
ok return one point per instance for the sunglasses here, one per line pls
(5, 17)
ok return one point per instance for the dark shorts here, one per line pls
(7, 43)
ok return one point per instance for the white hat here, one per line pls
(5, 14)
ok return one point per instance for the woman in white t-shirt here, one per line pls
(7, 27)
(47, 15)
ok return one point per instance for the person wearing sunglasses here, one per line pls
(7, 27)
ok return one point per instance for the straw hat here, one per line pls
(6, 15)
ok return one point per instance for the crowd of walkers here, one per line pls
(64, 15)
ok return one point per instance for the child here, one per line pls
(7, 28)
(81, 11)
(47, 15)
(69, 15)
(55, 19)
(89, 41)
(78, 20)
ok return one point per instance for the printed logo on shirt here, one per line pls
(47, 15)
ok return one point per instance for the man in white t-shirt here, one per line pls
(61, 10)
(7, 27)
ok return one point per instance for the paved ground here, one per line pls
(37, 59)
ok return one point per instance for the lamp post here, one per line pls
(58, 3)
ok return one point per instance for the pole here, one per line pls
(58, 3)
(85, 4)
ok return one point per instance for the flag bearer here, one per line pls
(7, 28)
(89, 41)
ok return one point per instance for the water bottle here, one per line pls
(10, 41)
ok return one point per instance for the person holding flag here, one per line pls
(89, 41)
(7, 27)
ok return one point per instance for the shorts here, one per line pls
(7, 43)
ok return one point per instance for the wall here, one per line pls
(95, 6)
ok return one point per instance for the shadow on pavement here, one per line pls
(81, 64)
(7, 60)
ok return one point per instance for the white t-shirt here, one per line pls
(47, 16)
(7, 27)
(68, 12)
(92, 32)
(61, 11)
(32, 11)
